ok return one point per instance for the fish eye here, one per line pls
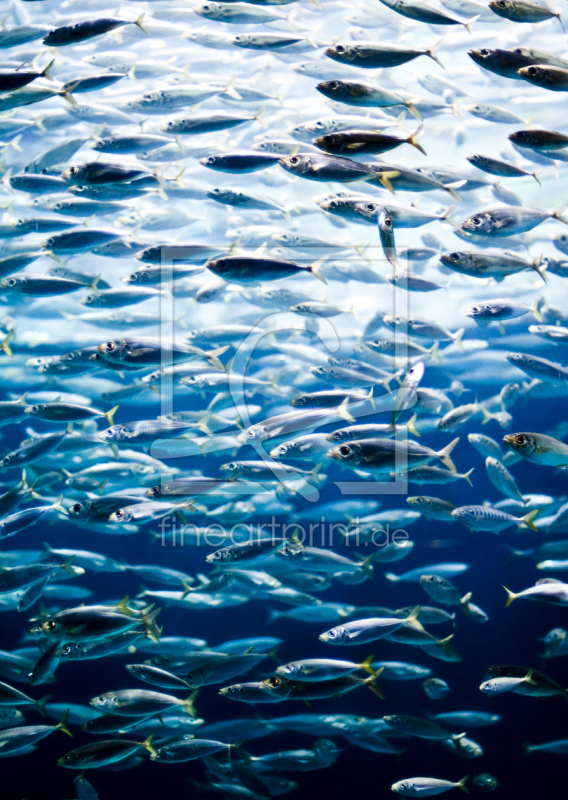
(501, 3)
(340, 48)
(370, 206)
(532, 70)
(155, 490)
(294, 160)
(49, 625)
(232, 465)
(76, 509)
(333, 84)
(74, 170)
(344, 449)
(12, 282)
(518, 51)
(65, 651)
(454, 256)
(484, 52)
(119, 514)
(476, 220)
(110, 346)
(35, 409)
(387, 222)
(520, 439)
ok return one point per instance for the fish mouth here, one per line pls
(509, 440)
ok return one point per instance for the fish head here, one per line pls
(524, 138)
(521, 443)
(69, 760)
(480, 224)
(296, 164)
(68, 651)
(116, 433)
(122, 515)
(35, 411)
(73, 175)
(539, 75)
(347, 453)
(335, 636)
(104, 702)
(368, 210)
(49, 627)
(502, 6)
(80, 510)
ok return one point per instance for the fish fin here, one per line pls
(122, 606)
(528, 520)
(57, 505)
(188, 704)
(213, 357)
(63, 724)
(366, 664)
(444, 454)
(467, 25)
(316, 273)
(109, 415)
(413, 616)
(147, 743)
(371, 682)
(467, 474)
(461, 785)
(139, 22)
(40, 704)
(343, 411)
(457, 337)
(412, 139)
(529, 677)
(534, 309)
(46, 72)
(410, 425)
(510, 597)
(465, 599)
(415, 113)
(557, 213)
(5, 344)
(367, 566)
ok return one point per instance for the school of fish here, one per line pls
(272, 268)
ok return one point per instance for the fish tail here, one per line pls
(5, 344)
(213, 357)
(467, 25)
(367, 566)
(188, 704)
(510, 597)
(366, 664)
(62, 726)
(444, 454)
(410, 425)
(316, 273)
(457, 337)
(467, 474)
(536, 265)
(452, 189)
(536, 176)
(40, 704)
(109, 415)
(534, 309)
(435, 352)
(557, 213)
(431, 52)
(46, 73)
(371, 682)
(412, 139)
(147, 743)
(527, 748)
(149, 621)
(413, 110)
(461, 784)
(139, 22)
(528, 520)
